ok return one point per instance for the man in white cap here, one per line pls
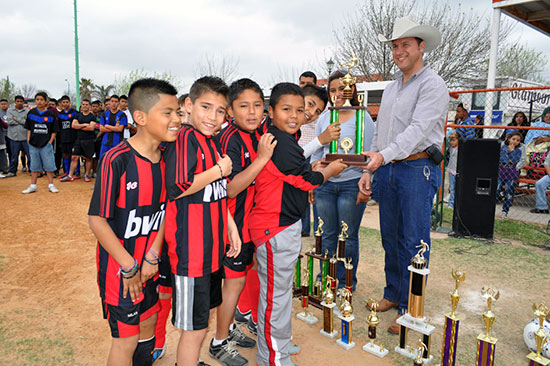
(411, 120)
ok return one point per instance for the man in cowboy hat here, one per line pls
(411, 119)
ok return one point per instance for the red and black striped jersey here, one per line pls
(281, 188)
(241, 146)
(129, 192)
(195, 224)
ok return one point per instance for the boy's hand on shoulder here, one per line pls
(266, 145)
(132, 286)
(148, 271)
(331, 133)
(226, 164)
(335, 167)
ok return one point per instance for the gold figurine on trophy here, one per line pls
(536, 359)
(306, 315)
(452, 321)
(420, 350)
(373, 322)
(485, 343)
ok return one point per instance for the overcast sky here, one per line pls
(268, 39)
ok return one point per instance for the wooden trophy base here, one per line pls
(356, 160)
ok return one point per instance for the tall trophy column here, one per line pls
(347, 317)
(450, 333)
(485, 343)
(536, 359)
(328, 316)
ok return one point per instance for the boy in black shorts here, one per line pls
(126, 215)
(84, 124)
(66, 135)
(249, 153)
(197, 217)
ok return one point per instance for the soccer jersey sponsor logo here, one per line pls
(40, 129)
(215, 191)
(143, 225)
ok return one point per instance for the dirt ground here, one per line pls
(51, 315)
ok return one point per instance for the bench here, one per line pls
(526, 184)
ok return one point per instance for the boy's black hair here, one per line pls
(461, 105)
(85, 100)
(106, 100)
(96, 102)
(123, 97)
(208, 84)
(309, 74)
(41, 94)
(114, 96)
(4, 100)
(181, 99)
(53, 100)
(317, 91)
(515, 133)
(65, 97)
(283, 89)
(144, 94)
(239, 86)
(17, 97)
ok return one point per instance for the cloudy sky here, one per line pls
(269, 40)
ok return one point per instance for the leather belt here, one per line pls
(420, 155)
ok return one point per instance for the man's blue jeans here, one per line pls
(17, 146)
(336, 203)
(541, 186)
(405, 192)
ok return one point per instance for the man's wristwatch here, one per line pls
(367, 171)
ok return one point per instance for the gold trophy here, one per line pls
(319, 236)
(414, 318)
(420, 350)
(450, 333)
(485, 343)
(347, 317)
(347, 143)
(373, 321)
(305, 315)
(342, 242)
(328, 306)
(536, 359)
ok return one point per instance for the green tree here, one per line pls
(7, 89)
(123, 82)
(521, 62)
(87, 88)
(102, 91)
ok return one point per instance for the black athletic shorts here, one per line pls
(192, 299)
(84, 148)
(238, 266)
(124, 321)
(165, 272)
(66, 147)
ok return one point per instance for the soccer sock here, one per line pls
(66, 165)
(253, 292)
(216, 342)
(160, 326)
(244, 304)
(143, 355)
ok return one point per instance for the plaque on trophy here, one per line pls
(485, 343)
(535, 358)
(328, 316)
(347, 144)
(373, 322)
(346, 317)
(305, 315)
(450, 332)
(414, 318)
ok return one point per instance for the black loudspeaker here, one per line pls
(475, 189)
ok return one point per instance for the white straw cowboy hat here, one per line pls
(406, 27)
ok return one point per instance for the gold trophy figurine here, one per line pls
(485, 343)
(347, 317)
(328, 306)
(349, 80)
(305, 315)
(536, 359)
(342, 242)
(420, 350)
(373, 321)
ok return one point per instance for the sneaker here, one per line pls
(9, 175)
(227, 354)
(252, 326)
(63, 175)
(67, 178)
(241, 339)
(2, 176)
(503, 214)
(30, 189)
(86, 178)
(158, 353)
(538, 211)
(76, 177)
(242, 318)
(201, 363)
(24, 169)
(52, 189)
(293, 349)
(41, 174)
(446, 198)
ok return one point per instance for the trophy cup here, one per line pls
(420, 349)
(414, 318)
(450, 333)
(373, 321)
(347, 317)
(306, 315)
(536, 359)
(328, 305)
(347, 143)
(485, 343)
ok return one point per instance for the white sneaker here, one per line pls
(503, 214)
(52, 188)
(30, 189)
(2, 176)
(446, 198)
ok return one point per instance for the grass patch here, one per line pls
(525, 232)
(25, 343)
